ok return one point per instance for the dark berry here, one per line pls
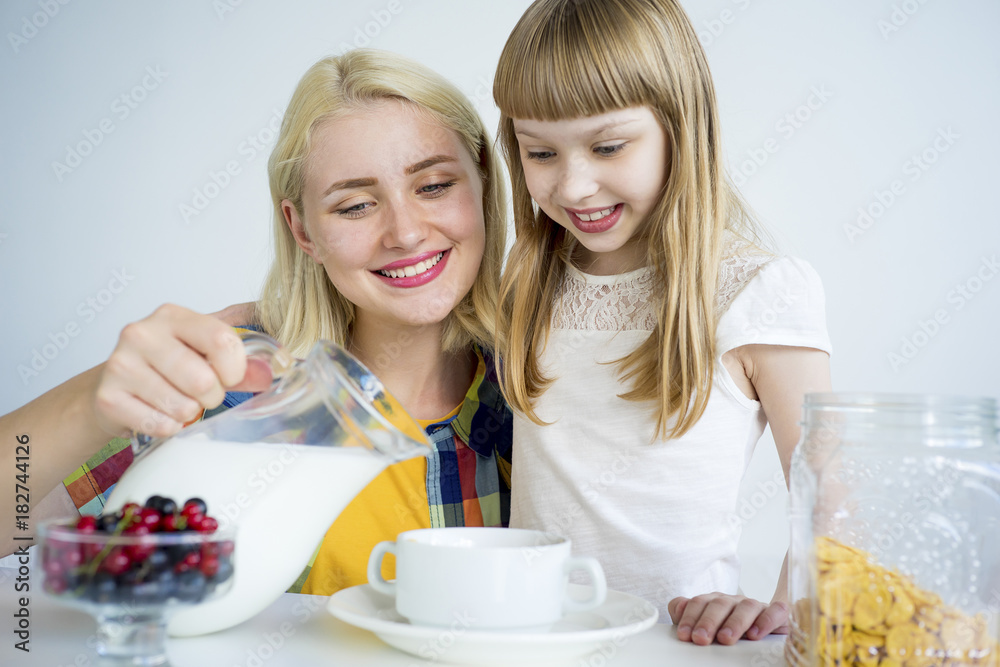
(158, 560)
(168, 506)
(107, 523)
(155, 502)
(191, 586)
(224, 571)
(102, 588)
(197, 503)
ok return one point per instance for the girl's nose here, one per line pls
(576, 182)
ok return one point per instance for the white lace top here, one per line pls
(659, 515)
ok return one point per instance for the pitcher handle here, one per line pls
(258, 346)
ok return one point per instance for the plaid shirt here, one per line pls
(468, 474)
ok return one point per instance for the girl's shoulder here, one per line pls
(771, 299)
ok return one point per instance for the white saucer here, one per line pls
(576, 634)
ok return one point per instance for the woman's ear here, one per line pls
(298, 228)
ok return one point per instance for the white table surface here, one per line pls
(298, 631)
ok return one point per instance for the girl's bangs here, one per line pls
(576, 65)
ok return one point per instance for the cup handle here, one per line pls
(592, 567)
(375, 579)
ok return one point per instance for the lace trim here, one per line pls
(621, 303)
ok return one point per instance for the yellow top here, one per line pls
(393, 502)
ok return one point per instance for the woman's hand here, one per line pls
(167, 368)
(726, 618)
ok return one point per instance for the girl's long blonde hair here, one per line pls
(299, 305)
(573, 58)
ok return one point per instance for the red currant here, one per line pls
(169, 523)
(87, 523)
(116, 561)
(209, 566)
(150, 518)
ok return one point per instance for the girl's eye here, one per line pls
(436, 190)
(539, 156)
(608, 151)
(356, 211)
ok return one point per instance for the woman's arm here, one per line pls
(163, 372)
(780, 377)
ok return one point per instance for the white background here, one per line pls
(884, 80)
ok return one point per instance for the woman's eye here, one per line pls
(436, 189)
(607, 151)
(539, 156)
(355, 211)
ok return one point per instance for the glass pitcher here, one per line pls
(895, 548)
(280, 467)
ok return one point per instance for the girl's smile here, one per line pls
(598, 177)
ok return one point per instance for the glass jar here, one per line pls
(895, 545)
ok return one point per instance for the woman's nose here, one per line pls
(406, 226)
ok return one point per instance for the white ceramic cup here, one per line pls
(483, 578)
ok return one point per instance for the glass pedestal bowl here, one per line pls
(131, 584)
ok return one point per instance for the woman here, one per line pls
(389, 235)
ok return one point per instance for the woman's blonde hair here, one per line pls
(575, 58)
(299, 305)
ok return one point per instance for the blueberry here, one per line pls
(131, 577)
(147, 592)
(191, 586)
(107, 523)
(166, 582)
(167, 506)
(177, 552)
(102, 588)
(159, 560)
(154, 502)
(224, 572)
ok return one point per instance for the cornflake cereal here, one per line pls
(870, 616)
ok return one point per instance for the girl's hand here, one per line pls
(726, 618)
(166, 369)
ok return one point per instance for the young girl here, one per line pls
(389, 232)
(649, 338)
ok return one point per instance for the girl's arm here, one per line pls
(780, 376)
